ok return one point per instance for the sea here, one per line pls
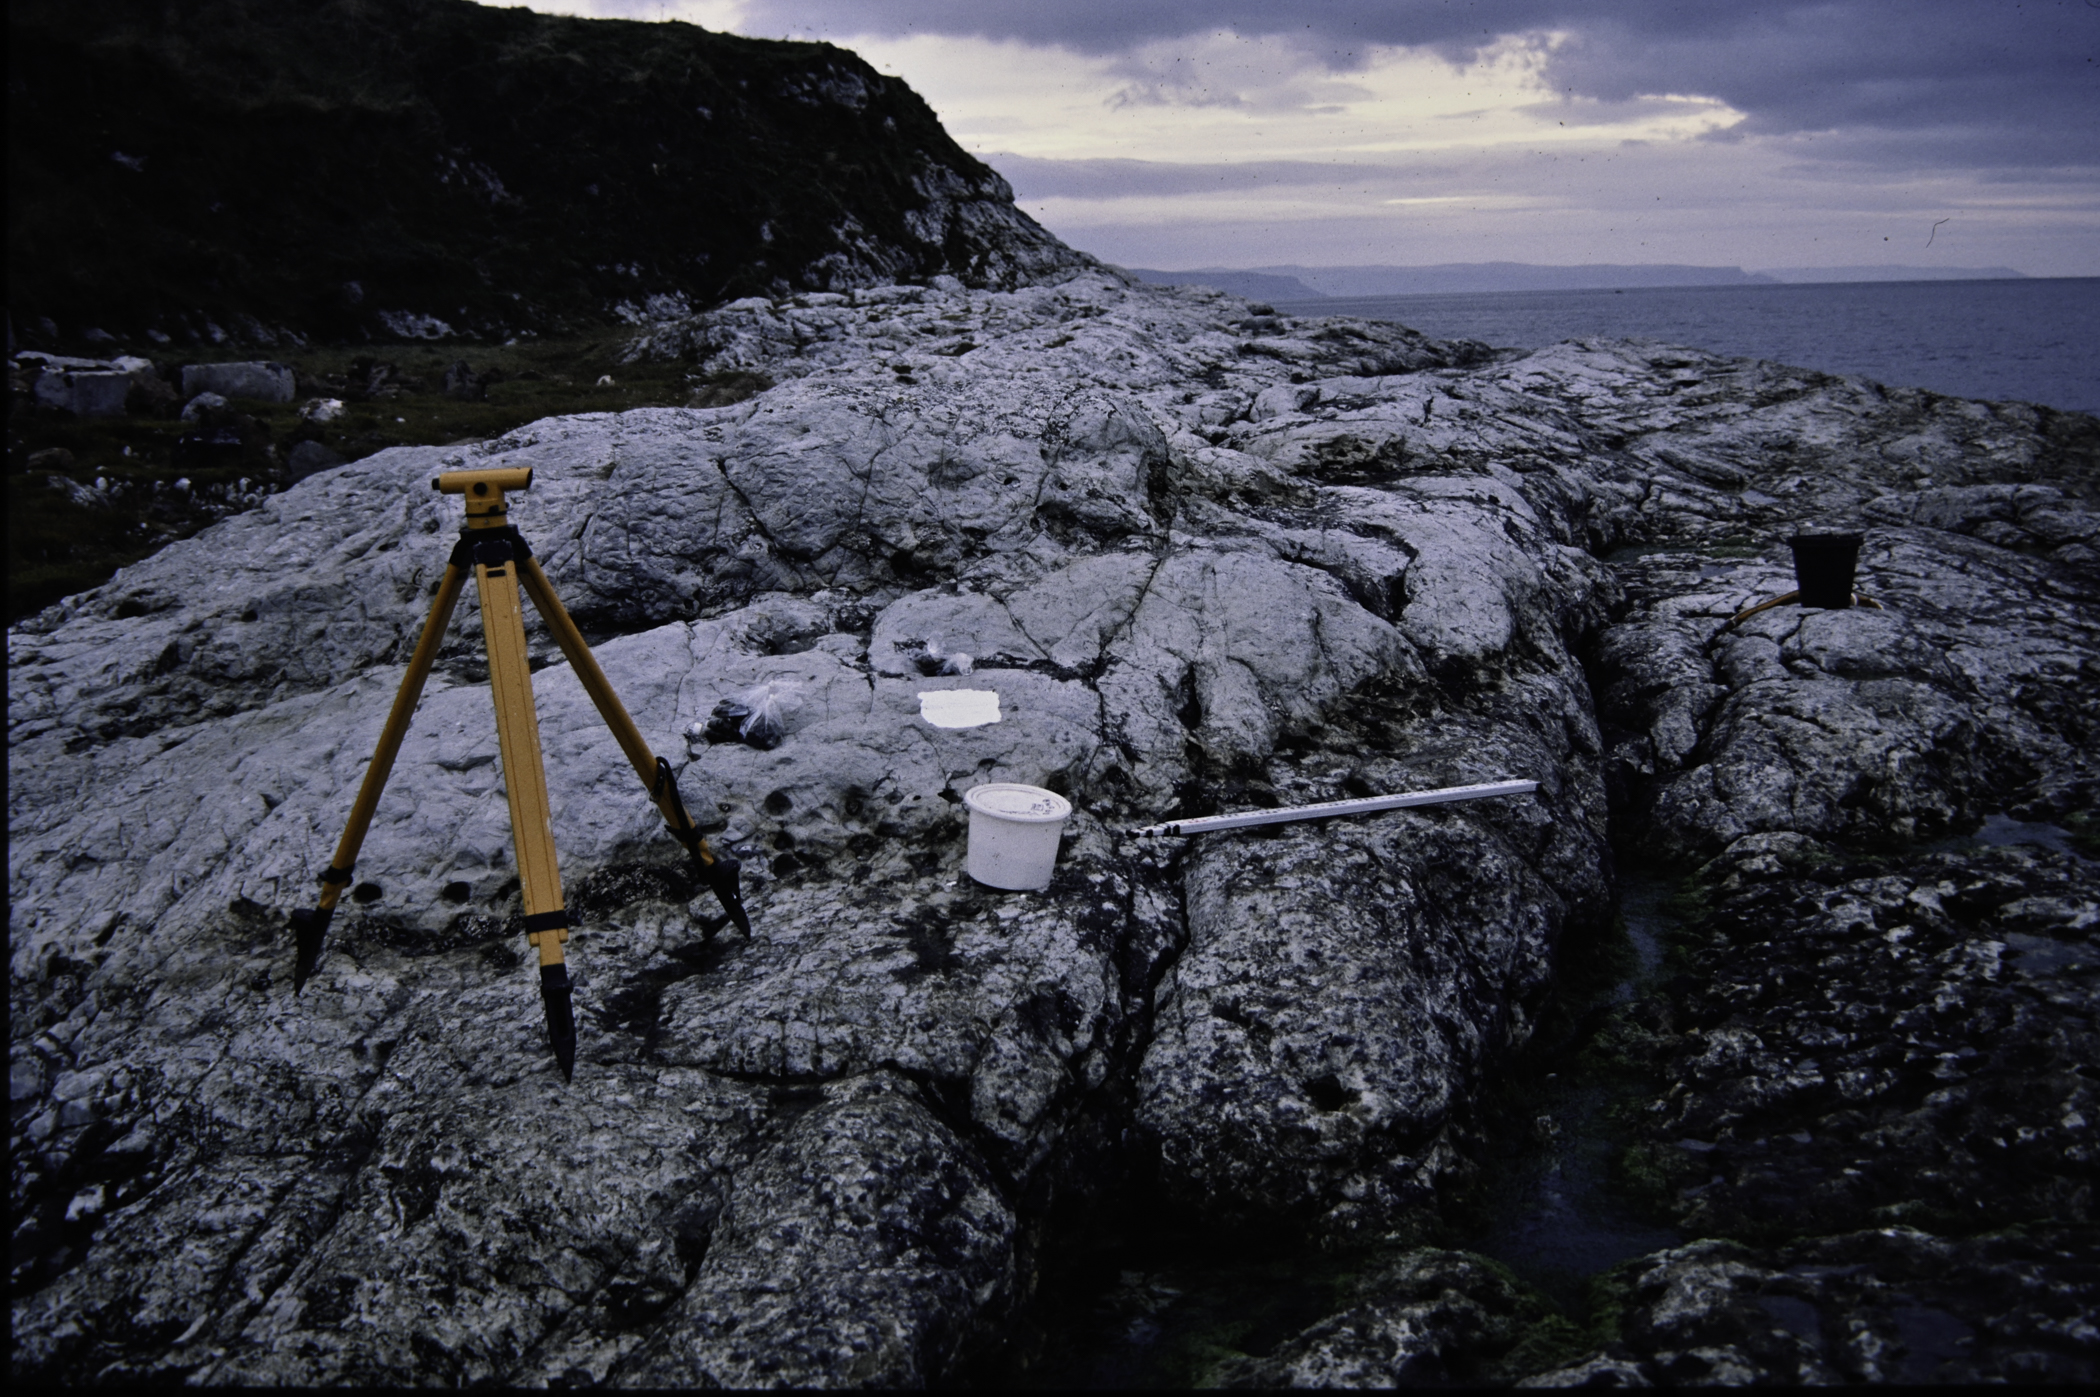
(2035, 340)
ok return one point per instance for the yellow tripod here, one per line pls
(500, 559)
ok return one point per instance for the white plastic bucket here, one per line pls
(1014, 831)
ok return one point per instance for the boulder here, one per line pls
(79, 494)
(150, 394)
(84, 392)
(310, 458)
(264, 382)
(60, 363)
(463, 383)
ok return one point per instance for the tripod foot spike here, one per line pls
(561, 1019)
(309, 926)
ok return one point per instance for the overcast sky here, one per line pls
(1237, 133)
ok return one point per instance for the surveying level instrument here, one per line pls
(499, 558)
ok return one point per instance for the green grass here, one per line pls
(57, 547)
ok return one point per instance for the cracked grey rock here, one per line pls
(1424, 1318)
(1204, 568)
(1971, 691)
(1319, 1040)
(896, 1247)
(1894, 1305)
(1901, 1043)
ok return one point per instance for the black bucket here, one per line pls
(1823, 567)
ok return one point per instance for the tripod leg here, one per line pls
(308, 927)
(717, 871)
(525, 781)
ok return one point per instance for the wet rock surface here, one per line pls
(1866, 1090)
(1913, 1045)
(1426, 1318)
(1893, 1305)
(1207, 560)
(1868, 1093)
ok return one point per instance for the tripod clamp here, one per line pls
(497, 556)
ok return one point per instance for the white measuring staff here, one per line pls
(1341, 807)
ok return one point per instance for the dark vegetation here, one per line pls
(156, 485)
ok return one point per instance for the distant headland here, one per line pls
(1300, 283)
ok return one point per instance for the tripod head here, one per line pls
(484, 492)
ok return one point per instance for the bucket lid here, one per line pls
(1009, 800)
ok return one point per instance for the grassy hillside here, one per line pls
(373, 169)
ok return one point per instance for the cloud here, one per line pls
(1223, 69)
(1933, 71)
(1339, 30)
(1975, 82)
(1228, 133)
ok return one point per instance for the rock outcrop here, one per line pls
(262, 171)
(1891, 1305)
(1207, 559)
(1970, 692)
(1928, 1061)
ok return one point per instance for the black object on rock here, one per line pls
(726, 723)
(1823, 566)
(754, 722)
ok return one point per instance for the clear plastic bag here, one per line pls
(936, 661)
(756, 717)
